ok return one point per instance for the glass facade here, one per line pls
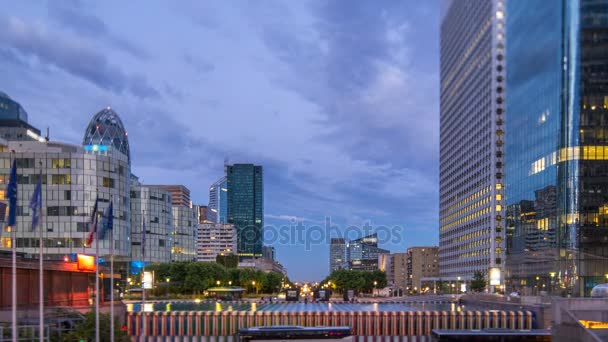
(471, 171)
(362, 254)
(185, 225)
(557, 146)
(337, 254)
(152, 205)
(71, 180)
(106, 129)
(246, 206)
(218, 201)
(11, 110)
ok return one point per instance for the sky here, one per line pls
(337, 100)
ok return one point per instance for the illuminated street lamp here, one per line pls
(230, 282)
(218, 283)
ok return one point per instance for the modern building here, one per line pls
(151, 206)
(180, 195)
(471, 195)
(557, 146)
(215, 239)
(218, 201)
(185, 226)
(400, 274)
(13, 122)
(73, 176)
(337, 254)
(362, 254)
(422, 262)
(246, 207)
(202, 214)
(263, 265)
(385, 264)
(268, 252)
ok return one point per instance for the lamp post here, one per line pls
(218, 283)
(253, 284)
(458, 284)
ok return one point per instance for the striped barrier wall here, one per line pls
(363, 323)
(234, 339)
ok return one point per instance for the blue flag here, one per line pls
(36, 203)
(11, 193)
(108, 222)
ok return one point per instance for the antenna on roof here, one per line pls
(47, 133)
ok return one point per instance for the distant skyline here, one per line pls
(337, 100)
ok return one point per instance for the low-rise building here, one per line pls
(422, 262)
(215, 239)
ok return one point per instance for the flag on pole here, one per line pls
(107, 222)
(143, 239)
(36, 203)
(11, 193)
(93, 223)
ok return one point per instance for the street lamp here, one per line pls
(218, 283)
(230, 282)
(457, 284)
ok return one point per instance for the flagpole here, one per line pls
(14, 284)
(111, 283)
(12, 192)
(41, 275)
(96, 281)
(143, 269)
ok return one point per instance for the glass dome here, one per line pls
(106, 129)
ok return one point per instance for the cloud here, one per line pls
(75, 56)
(74, 16)
(200, 65)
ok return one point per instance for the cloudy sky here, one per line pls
(338, 100)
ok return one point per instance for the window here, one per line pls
(63, 163)
(161, 243)
(61, 179)
(68, 195)
(108, 182)
(25, 163)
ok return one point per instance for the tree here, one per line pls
(86, 329)
(228, 261)
(478, 283)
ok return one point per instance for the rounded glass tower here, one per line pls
(106, 129)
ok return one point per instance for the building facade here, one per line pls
(215, 239)
(385, 264)
(218, 201)
(13, 121)
(246, 207)
(73, 177)
(422, 262)
(337, 254)
(152, 206)
(362, 254)
(268, 252)
(471, 195)
(185, 226)
(180, 195)
(400, 275)
(557, 146)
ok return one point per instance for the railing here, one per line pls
(26, 333)
(363, 323)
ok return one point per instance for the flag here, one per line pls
(11, 193)
(107, 222)
(143, 239)
(36, 203)
(93, 223)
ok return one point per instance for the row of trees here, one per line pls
(190, 277)
(362, 281)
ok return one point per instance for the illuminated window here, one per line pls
(500, 15)
(498, 186)
(498, 197)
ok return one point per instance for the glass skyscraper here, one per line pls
(557, 145)
(471, 234)
(246, 207)
(337, 254)
(218, 201)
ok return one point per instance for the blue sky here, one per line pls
(338, 100)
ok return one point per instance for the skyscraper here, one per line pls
(246, 207)
(218, 201)
(557, 145)
(471, 138)
(362, 254)
(337, 254)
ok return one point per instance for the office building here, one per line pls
(13, 122)
(385, 264)
(337, 254)
(218, 201)
(151, 205)
(400, 275)
(202, 214)
(73, 176)
(471, 197)
(362, 254)
(422, 262)
(557, 146)
(246, 207)
(215, 239)
(185, 226)
(268, 252)
(180, 195)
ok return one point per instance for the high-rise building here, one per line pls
(268, 252)
(422, 262)
(246, 207)
(337, 254)
(152, 206)
(400, 274)
(73, 176)
(385, 264)
(471, 233)
(185, 226)
(218, 201)
(202, 214)
(557, 146)
(13, 122)
(362, 254)
(180, 195)
(215, 239)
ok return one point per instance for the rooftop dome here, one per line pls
(106, 129)
(4, 95)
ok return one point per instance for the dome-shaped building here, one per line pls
(106, 129)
